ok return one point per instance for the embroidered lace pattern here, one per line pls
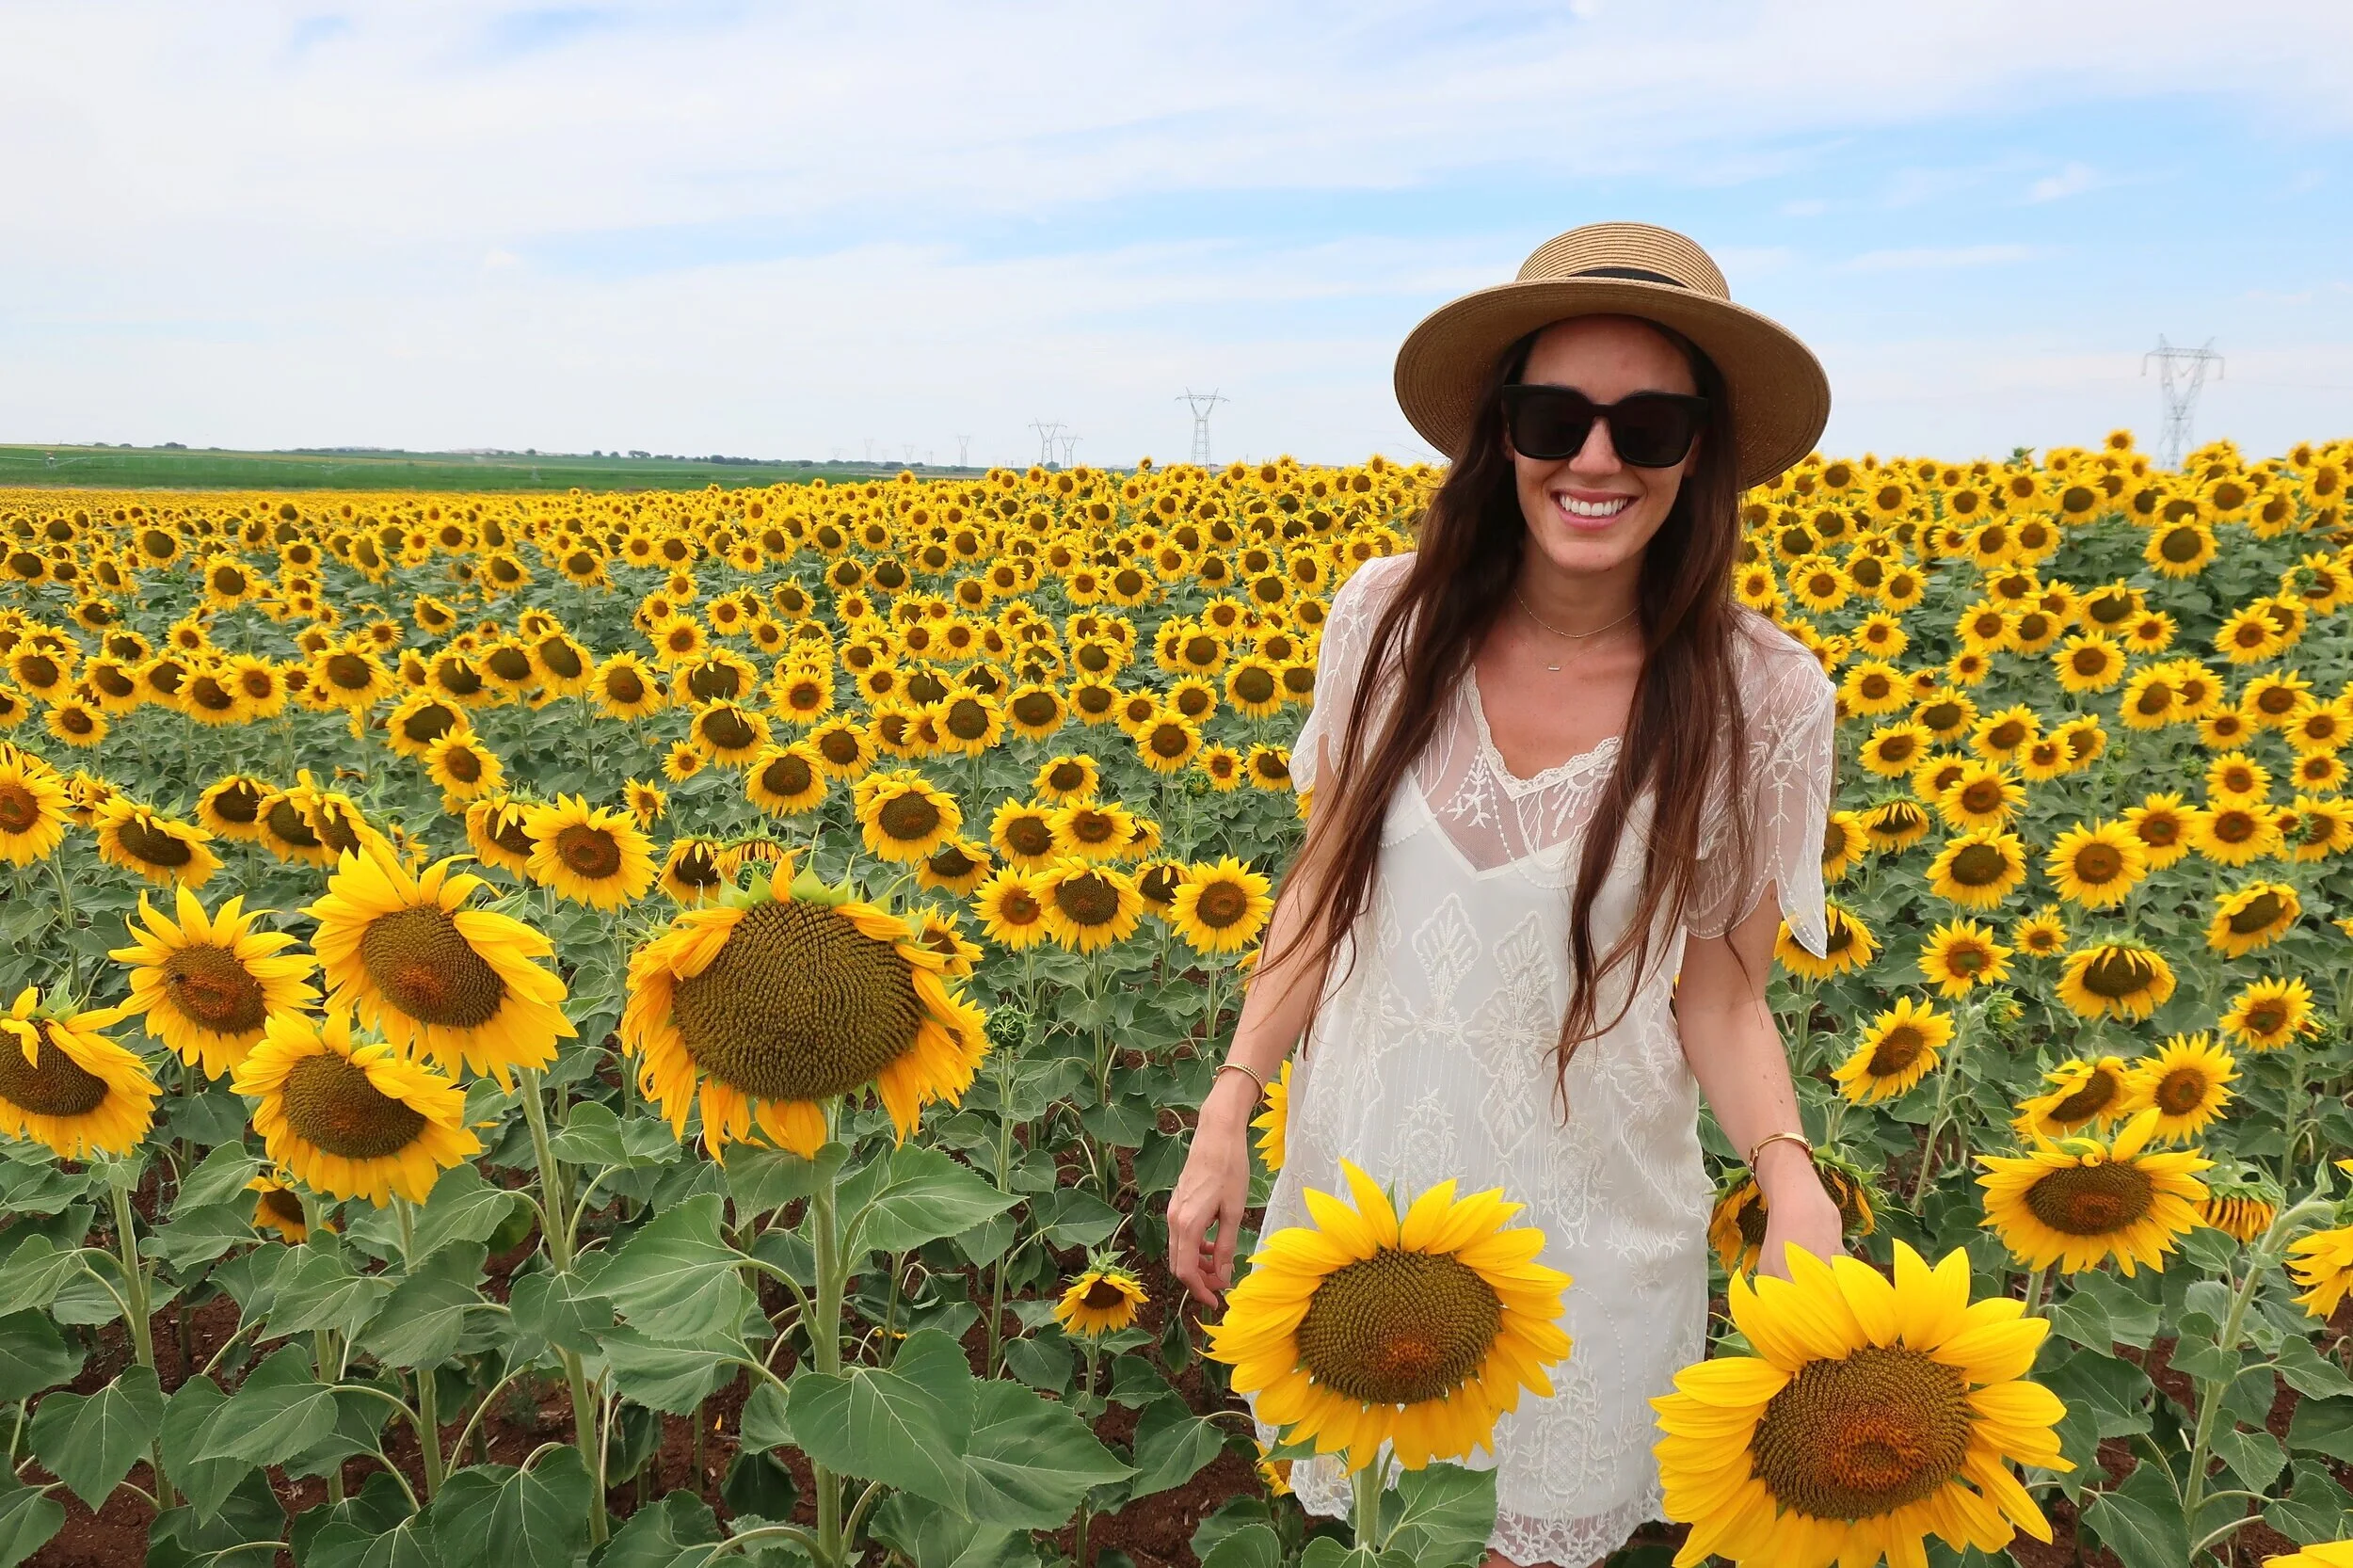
(1431, 1056)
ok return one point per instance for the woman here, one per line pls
(1557, 774)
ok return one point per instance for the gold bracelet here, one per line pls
(1762, 1143)
(1237, 1068)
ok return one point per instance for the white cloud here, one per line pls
(2072, 181)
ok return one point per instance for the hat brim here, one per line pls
(1780, 398)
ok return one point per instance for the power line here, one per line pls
(2181, 375)
(1202, 404)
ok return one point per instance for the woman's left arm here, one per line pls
(1735, 1049)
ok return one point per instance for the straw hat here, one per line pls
(1780, 398)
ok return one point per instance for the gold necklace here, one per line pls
(1571, 636)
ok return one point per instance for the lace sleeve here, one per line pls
(1340, 660)
(1793, 717)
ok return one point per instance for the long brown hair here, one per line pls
(1684, 729)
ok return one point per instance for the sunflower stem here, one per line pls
(1365, 1505)
(556, 1232)
(135, 1288)
(825, 1344)
(428, 1390)
(323, 1351)
(65, 922)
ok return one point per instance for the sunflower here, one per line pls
(785, 781)
(463, 766)
(1419, 1333)
(353, 1118)
(1848, 944)
(1273, 1121)
(625, 688)
(1093, 830)
(1102, 1301)
(1894, 824)
(767, 1004)
(2115, 979)
(1898, 1050)
(942, 930)
(496, 829)
(682, 761)
(2240, 1204)
(2253, 918)
(278, 1208)
(957, 866)
(65, 1084)
(1070, 775)
(34, 810)
(1088, 906)
(727, 733)
(1011, 907)
(2237, 833)
(230, 808)
(2081, 1200)
(1979, 869)
(2322, 1263)
(1221, 907)
(2040, 935)
(2187, 1081)
(1981, 796)
(2079, 1094)
(1268, 767)
(209, 985)
(460, 985)
(693, 870)
(1872, 1414)
(1894, 749)
(903, 815)
(2166, 827)
(646, 801)
(2096, 864)
(1843, 843)
(2268, 1013)
(162, 849)
(1168, 743)
(596, 856)
(286, 832)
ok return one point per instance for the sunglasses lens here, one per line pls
(1548, 423)
(1650, 432)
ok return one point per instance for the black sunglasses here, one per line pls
(1648, 429)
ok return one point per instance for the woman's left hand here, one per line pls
(1799, 1212)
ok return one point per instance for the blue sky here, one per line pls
(795, 229)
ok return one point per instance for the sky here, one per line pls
(915, 227)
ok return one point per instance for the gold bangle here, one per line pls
(1237, 1068)
(1762, 1143)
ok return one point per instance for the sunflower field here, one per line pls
(656, 1030)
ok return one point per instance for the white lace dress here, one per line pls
(1432, 1058)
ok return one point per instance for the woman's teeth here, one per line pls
(1610, 508)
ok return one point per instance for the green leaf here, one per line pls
(199, 1235)
(462, 1206)
(539, 1518)
(220, 1177)
(1444, 1514)
(677, 1279)
(2104, 1398)
(1325, 1552)
(906, 1425)
(1031, 1462)
(766, 1422)
(28, 1517)
(565, 1311)
(1117, 1122)
(655, 1537)
(422, 1322)
(2315, 1507)
(1075, 1218)
(2255, 1457)
(243, 1532)
(2322, 1427)
(2196, 1356)
(317, 1288)
(90, 1444)
(669, 1377)
(922, 1196)
(593, 1138)
(2306, 1371)
(342, 1535)
(34, 1274)
(935, 1537)
(33, 1356)
(1251, 1547)
(764, 1179)
(2140, 1521)
(280, 1411)
(1173, 1444)
(200, 1482)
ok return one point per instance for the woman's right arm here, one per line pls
(1204, 1214)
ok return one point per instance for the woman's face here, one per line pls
(1592, 513)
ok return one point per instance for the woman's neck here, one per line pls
(1578, 601)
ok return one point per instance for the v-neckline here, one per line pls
(1575, 762)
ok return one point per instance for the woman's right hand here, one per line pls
(1212, 1193)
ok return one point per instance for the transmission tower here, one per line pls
(964, 450)
(1048, 432)
(2181, 373)
(908, 447)
(1202, 404)
(1069, 444)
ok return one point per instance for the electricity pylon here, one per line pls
(2181, 373)
(1202, 404)
(1047, 430)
